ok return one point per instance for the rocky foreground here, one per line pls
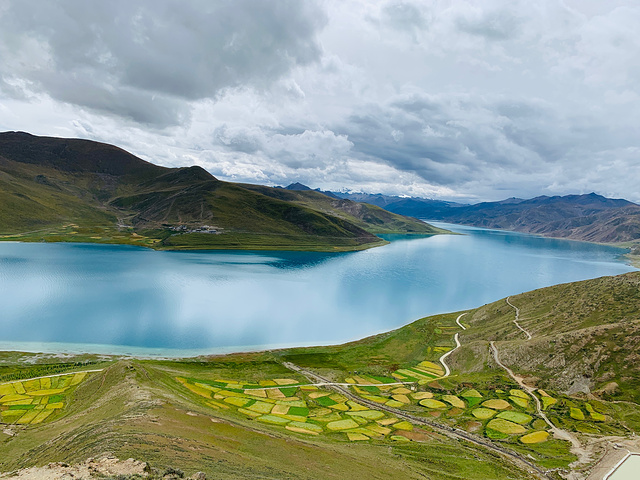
(107, 466)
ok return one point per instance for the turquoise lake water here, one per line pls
(121, 299)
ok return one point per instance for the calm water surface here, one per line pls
(141, 301)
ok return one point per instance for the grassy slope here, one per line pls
(135, 409)
(366, 216)
(48, 183)
(584, 331)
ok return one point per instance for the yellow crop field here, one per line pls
(280, 409)
(387, 421)
(319, 394)
(273, 420)
(505, 426)
(483, 413)
(454, 401)
(422, 395)
(496, 404)
(355, 407)
(430, 403)
(518, 393)
(30, 402)
(548, 401)
(401, 391)
(471, 393)
(342, 425)
(404, 425)
(237, 401)
(380, 430)
(401, 398)
(260, 407)
(256, 392)
(370, 414)
(535, 437)
(576, 413)
(516, 417)
(519, 401)
(301, 430)
(285, 381)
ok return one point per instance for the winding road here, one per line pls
(576, 446)
(455, 433)
(447, 371)
(529, 337)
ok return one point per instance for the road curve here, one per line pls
(576, 446)
(449, 432)
(529, 337)
(447, 371)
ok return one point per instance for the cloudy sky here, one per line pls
(458, 100)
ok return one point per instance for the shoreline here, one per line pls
(631, 258)
(142, 352)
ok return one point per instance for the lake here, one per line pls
(128, 300)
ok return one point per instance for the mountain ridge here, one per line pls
(57, 189)
(587, 217)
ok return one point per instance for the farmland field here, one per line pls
(304, 409)
(30, 402)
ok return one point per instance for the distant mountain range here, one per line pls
(55, 189)
(589, 217)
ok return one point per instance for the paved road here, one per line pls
(450, 432)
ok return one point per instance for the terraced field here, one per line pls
(301, 408)
(422, 373)
(499, 414)
(30, 402)
(312, 410)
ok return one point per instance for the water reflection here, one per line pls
(197, 300)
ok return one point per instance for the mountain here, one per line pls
(57, 189)
(369, 217)
(297, 186)
(590, 217)
(396, 203)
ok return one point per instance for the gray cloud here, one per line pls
(146, 60)
(488, 143)
(454, 99)
(495, 24)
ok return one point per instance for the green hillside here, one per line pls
(55, 189)
(586, 336)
